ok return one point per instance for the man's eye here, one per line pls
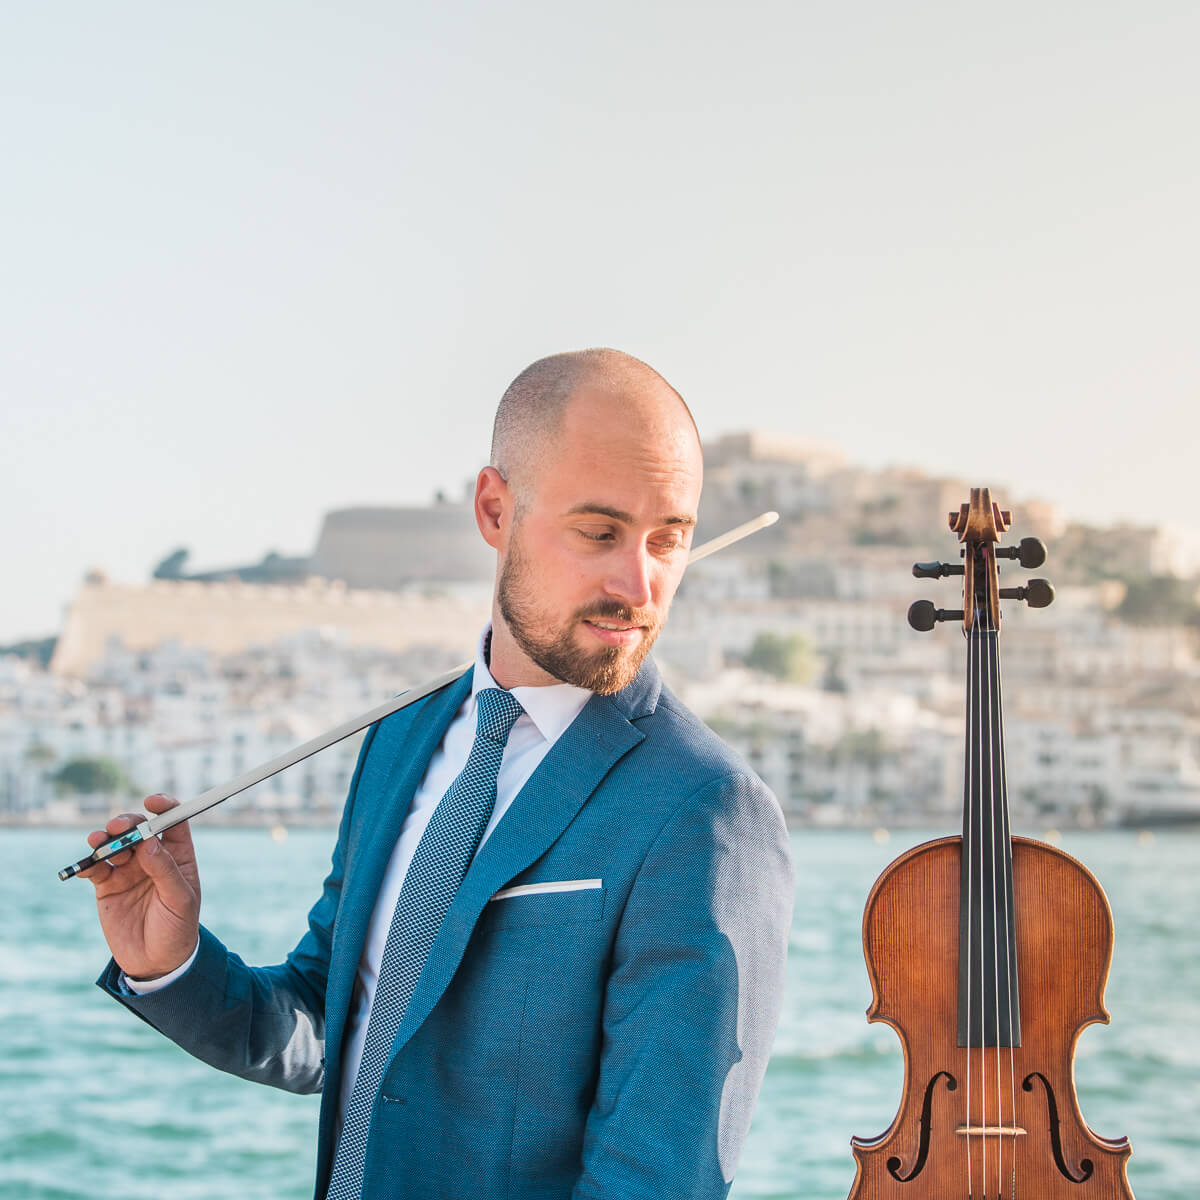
(597, 535)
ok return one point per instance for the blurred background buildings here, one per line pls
(793, 645)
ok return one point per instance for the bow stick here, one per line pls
(214, 796)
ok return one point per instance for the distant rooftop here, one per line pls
(756, 446)
(398, 547)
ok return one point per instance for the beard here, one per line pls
(605, 670)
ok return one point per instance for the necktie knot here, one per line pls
(497, 714)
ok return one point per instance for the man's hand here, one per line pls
(148, 898)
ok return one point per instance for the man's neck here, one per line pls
(508, 664)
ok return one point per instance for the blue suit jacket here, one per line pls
(600, 1042)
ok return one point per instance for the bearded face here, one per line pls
(558, 643)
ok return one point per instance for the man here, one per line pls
(548, 958)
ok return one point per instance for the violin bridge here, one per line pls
(989, 1130)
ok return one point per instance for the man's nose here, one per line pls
(629, 576)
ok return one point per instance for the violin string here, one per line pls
(1013, 962)
(968, 837)
(977, 898)
(984, 769)
(983, 945)
(993, 726)
(998, 859)
(1000, 886)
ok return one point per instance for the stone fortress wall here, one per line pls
(229, 617)
(390, 578)
(397, 547)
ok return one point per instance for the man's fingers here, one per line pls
(107, 877)
(114, 827)
(97, 874)
(163, 868)
(160, 803)
(123, 822)
(179, 837)
(174, 891)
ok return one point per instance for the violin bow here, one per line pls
(193, 808)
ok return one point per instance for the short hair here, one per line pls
(533, 405)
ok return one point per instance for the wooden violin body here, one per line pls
(988, 956)
(1050, 1151)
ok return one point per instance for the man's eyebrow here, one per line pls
(618, 514)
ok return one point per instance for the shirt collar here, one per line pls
(551, 707)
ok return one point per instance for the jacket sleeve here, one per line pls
(692, 999)
(266, 1024)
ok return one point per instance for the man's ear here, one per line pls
(493, 507)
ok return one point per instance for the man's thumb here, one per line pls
(157, 862)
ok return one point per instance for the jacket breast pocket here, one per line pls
(544, 908)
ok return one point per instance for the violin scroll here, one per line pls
(979, 525)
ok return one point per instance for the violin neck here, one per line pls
(988, 1011)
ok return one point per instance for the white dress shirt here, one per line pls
(548, 711)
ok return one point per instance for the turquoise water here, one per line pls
(94, 1102)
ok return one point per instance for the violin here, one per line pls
(988, 955)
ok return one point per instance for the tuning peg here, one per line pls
(923, 616)
(1037, 593)
(1030, 552)
(936, 570)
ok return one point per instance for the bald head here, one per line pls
(589, 502)
(532, 410)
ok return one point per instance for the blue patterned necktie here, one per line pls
(441, 860)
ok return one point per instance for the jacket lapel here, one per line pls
(397, 763)
(564, 780)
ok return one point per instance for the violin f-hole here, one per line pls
(1085, 1164)
(893, 1163)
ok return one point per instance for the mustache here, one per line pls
(611, 610)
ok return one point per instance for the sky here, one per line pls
(266, 259)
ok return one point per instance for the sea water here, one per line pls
(94, 1102)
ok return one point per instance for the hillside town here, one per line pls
(793, 645)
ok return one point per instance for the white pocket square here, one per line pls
(539, 889)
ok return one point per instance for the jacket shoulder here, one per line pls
(697, 749)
